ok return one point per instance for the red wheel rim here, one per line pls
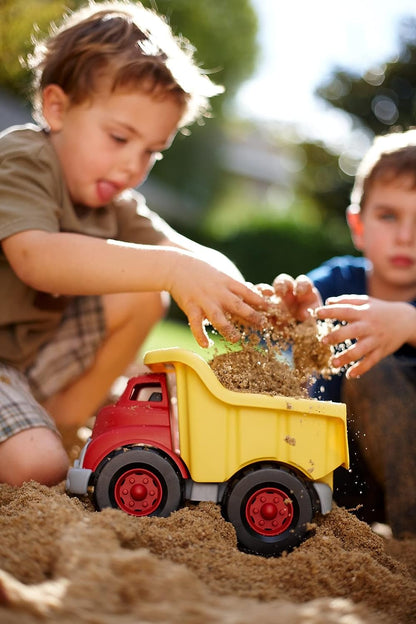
(138, 492)
(269, 511)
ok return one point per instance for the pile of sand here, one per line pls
(61, 561)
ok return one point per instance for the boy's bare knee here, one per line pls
(34, 454)
(141, 308)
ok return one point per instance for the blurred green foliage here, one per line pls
(223, 33)
(385, 95)
(381, 100)
(20, 21)
(324, 182)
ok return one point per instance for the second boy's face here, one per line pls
(386, 234)
(110, 144)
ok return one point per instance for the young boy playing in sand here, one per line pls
(374, 298)
(85, 266)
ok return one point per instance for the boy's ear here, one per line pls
(55, 103)
(356, 225)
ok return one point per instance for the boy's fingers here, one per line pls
(354, 353)
(265, 289)
(249, 296)
(241, 311)
(303, 286)
(341, 333)
(225, 326)
(362, 366)
(340, 312)
(283, 284)
(197, 324)
(356, 300)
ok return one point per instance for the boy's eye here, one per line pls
(118, 139)
(387, 216)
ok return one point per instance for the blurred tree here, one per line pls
(224, 35)
(323, 181)
(19, 22)
(384, 96)
(382, 99)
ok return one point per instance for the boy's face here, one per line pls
(385, 231)
(109, 144)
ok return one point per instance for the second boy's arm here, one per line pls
(74, 264)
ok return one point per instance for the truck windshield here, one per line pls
(146, 393)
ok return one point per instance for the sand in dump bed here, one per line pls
(60, 561)
(260, 365)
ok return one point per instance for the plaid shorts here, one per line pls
(58, 363)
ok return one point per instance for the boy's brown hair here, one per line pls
(390, 157)
(126, 43)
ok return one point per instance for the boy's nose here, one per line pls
(137, 169)
(406, 233)
(134, 171)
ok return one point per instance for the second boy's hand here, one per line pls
(377, 327)
(299, 295)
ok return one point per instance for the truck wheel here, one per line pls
(139, 481)
(270, 509)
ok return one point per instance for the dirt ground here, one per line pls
(61, 561)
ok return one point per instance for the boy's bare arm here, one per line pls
(378, 328)
(74, 264)
(214, 257)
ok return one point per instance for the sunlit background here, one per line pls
(301, 42)
(308, 84)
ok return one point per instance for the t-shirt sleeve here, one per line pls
(26, 200)
(137, 223)
(342, 275)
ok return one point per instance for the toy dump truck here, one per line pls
(178, 434)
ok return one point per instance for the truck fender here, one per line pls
(324, 493)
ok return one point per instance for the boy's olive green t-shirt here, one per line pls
(33, 196)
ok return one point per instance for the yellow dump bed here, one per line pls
(222, 431)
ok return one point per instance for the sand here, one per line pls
(61, 561)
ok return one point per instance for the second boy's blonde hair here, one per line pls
(126, 43)
(391, 156)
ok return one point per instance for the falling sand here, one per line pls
(61, 561)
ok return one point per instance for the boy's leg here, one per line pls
(30, 445)
(382, 417)
(128, 318)
(33, 454)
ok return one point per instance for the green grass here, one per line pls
(173, 334)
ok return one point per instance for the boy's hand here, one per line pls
(378, 327)
(205, 293)
(299, 295)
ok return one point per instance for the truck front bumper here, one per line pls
(77, 479)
